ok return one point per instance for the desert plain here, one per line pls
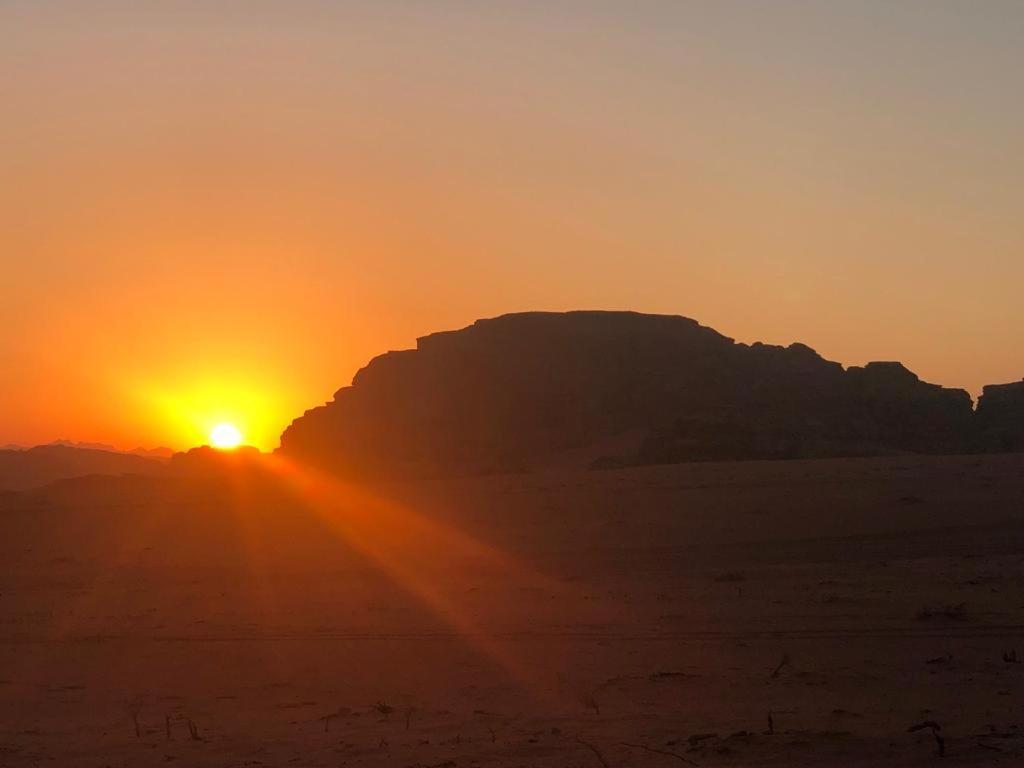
(824, 612)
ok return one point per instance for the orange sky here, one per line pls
(219, 210)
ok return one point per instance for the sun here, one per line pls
(225, 437)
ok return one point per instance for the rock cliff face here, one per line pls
(1001, 416)
(612, 389)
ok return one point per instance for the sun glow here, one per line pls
(185, 407)
(225, 437)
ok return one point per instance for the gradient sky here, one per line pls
(220, 210)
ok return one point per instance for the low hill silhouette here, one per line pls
(205, 460)
(609, 389)
(160, 452)
(33, 467)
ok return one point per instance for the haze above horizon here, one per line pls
(215, 212)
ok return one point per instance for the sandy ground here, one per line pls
(748, 614)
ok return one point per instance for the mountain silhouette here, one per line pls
(1001, 416)
(152, 453)
(606, 389)
(32, 467)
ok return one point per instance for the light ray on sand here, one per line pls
(412, 549)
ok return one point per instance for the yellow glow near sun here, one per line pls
(225, 436)
(184, 407)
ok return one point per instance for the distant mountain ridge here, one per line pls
(159, 452)
(622, 388)
(33, 467)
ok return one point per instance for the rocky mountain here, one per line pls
(1001, 416)
(618, 388)
(32, 467)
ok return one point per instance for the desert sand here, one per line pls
(720, 614)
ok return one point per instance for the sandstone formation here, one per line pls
(1001, 416)
(617, 388)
